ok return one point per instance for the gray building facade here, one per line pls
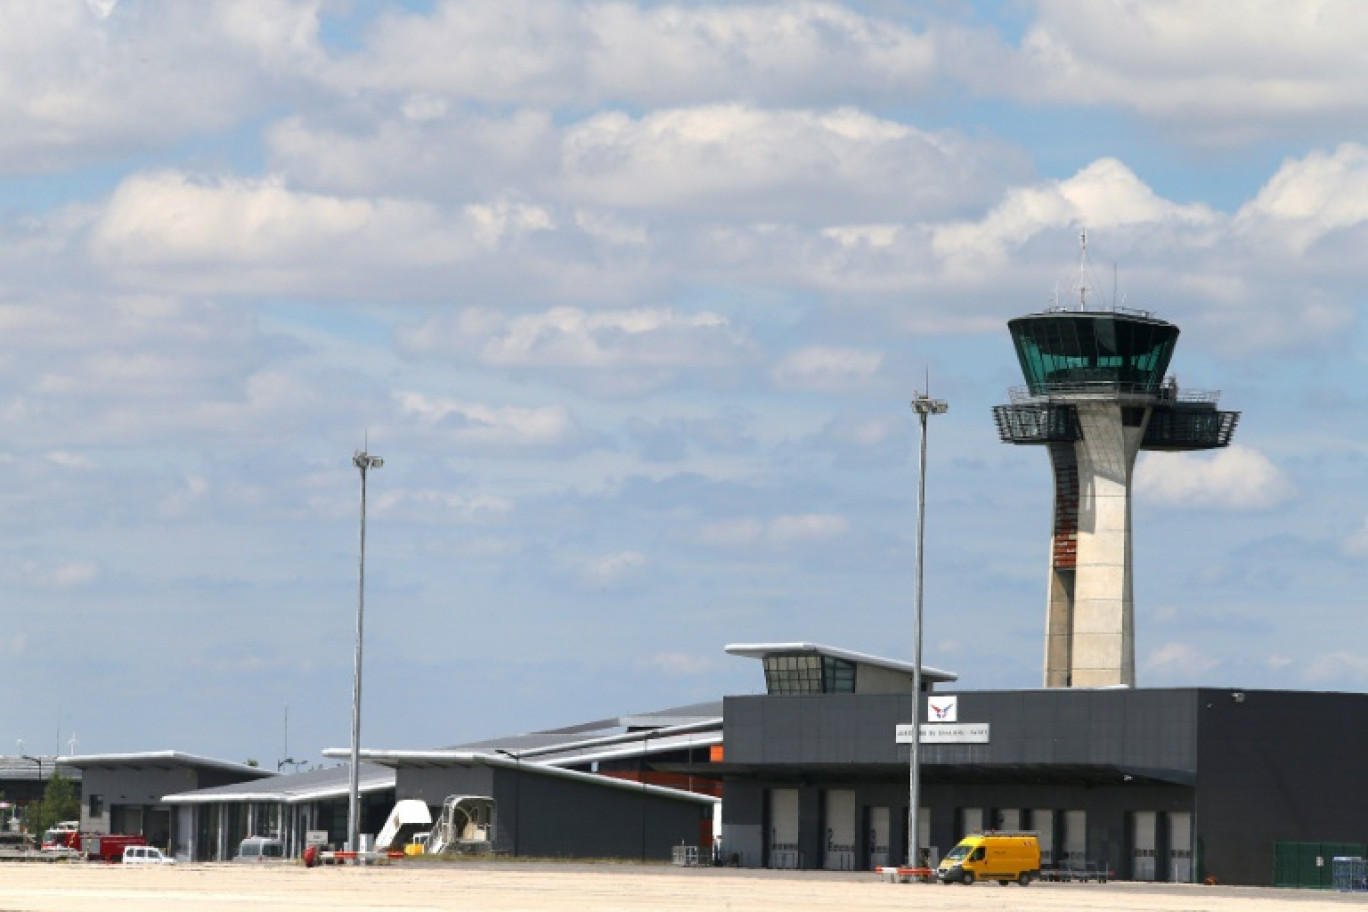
(1172, 785)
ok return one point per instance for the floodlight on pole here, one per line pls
(35, 820)
(924, 406)
(365, 462)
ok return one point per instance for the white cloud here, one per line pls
(612, 228)
(1106, 194)
(484, 425)
(871, 432)
(50, 575)
(88, 81)
(1338, 667)
(822, 368)
(789, 529)
(678, 664)
(608, 569)
(1356, 544)
(102, 8)
(179, 502)
(807, 527)
(69, 460)
(1180, 662)
(1308, 199)
(550, 52)
(1190, 65)
(644, 346)
(504, 220)
(449, 153)
(1235, 478)
(570, 337)
(732, 532)
(167, 229)
(870, 236)
(735, 159)
(451, 505)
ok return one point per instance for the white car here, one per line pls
(146, 855)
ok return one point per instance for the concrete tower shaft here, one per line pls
(1095, 396)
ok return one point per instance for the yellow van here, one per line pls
(1003, 857)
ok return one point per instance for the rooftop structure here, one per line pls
(811, 668)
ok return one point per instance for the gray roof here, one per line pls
(572, 736)
(437, 759)
(314, 785)
(691, 725)
(167, 759)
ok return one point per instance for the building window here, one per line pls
(806, 673)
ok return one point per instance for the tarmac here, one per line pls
(554, 887)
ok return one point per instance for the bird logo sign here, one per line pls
(942, 709)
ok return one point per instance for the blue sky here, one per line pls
(632, 298)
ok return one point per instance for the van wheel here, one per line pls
(1024, 879)
(967, 878)
(1003, 883)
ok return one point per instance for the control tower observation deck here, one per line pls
(1095, 395)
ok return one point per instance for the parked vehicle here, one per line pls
(255, 849)
(108, 846)
(16, 845)
(64, 836)
(135, 854)
(1003, 857)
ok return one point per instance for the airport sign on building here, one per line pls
(945, 733)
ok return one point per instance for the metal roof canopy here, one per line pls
(439, 759)
(761, 650)
(165, 760)
(298, 788)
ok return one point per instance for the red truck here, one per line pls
(107, 847)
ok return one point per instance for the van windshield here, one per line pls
(957, 852)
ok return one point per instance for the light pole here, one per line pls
(924, 406)
(37, 822)
(363, 461)
(642, 768)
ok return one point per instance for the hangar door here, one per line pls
(1076, 835)
(1180, 847)
(839, 853)
(1144, 828)
(879, 834)
(1042, 821)
(783, 828)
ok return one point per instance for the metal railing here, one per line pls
(1168, 391)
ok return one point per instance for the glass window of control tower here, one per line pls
(1064, 350)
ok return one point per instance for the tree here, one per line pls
(61, 801)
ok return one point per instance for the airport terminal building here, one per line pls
(1179, 784)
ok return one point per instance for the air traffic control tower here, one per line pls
(1096, 395)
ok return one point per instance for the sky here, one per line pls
(632, 298)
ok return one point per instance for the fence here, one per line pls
(1350, 874)
(1310, 864)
